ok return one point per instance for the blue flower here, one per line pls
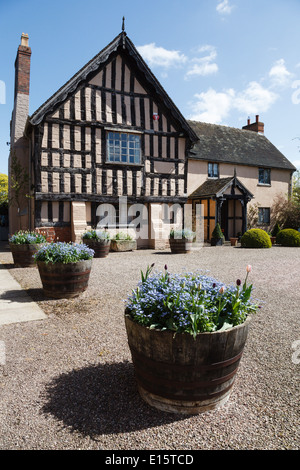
(189, 302)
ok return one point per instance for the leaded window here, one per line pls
(213, 170)
(264, 215)
(123, 148)
(264, 176)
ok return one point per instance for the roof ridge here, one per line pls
(72, 79)
(124, 41)
(224, 126)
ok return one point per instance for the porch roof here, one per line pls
(217, 187)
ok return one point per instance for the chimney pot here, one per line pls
(257, 126)
(24, 40)
(22, 67)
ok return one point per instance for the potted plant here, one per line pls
(123, 242)
(217, 237)
(99, 241)
(23, 245)
(181, 240)
(64, 268)
(275, 231)
(234, 241)
(186, 334)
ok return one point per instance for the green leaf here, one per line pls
(226, 326)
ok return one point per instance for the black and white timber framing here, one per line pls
(115, 91)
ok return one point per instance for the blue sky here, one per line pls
(220, 61)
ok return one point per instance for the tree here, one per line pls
(19, 180)
(285, 212)
(19, 186)
(3, 189)
(296, 187)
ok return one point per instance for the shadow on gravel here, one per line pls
(7, 266)
(102, 399)
(33, 295)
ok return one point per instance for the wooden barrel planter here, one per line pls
(23, 254)
(100, 247)
(181, 245)
(177, 373)
(61, 280)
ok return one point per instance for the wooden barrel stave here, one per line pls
(179, 245)
(101, 247)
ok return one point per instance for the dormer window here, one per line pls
(213, 170)
(123, 148)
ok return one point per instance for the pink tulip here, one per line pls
(248, 268)
(222, 290)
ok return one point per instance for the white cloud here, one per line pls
(214, 107)
(224, 8)
(254, 99)
(279, 74)
(158, 56)
(203, 65)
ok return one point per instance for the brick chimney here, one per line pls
(21, 96)
(20, 217)
(256, 126)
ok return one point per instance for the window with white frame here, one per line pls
(213, 170)
(123, 148)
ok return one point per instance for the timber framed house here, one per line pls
(112, 131)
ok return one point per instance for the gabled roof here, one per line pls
(121, 43)
(217, 187)
(230, 145)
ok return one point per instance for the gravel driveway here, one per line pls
(68, 381)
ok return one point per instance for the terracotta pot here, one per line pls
(177, 373)
(234, 241)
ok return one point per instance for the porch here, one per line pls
(225, 202)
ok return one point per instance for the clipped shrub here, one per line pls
(256, 238)
(217, 232)
(288, 237)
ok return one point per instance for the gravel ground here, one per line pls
(68, 381)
